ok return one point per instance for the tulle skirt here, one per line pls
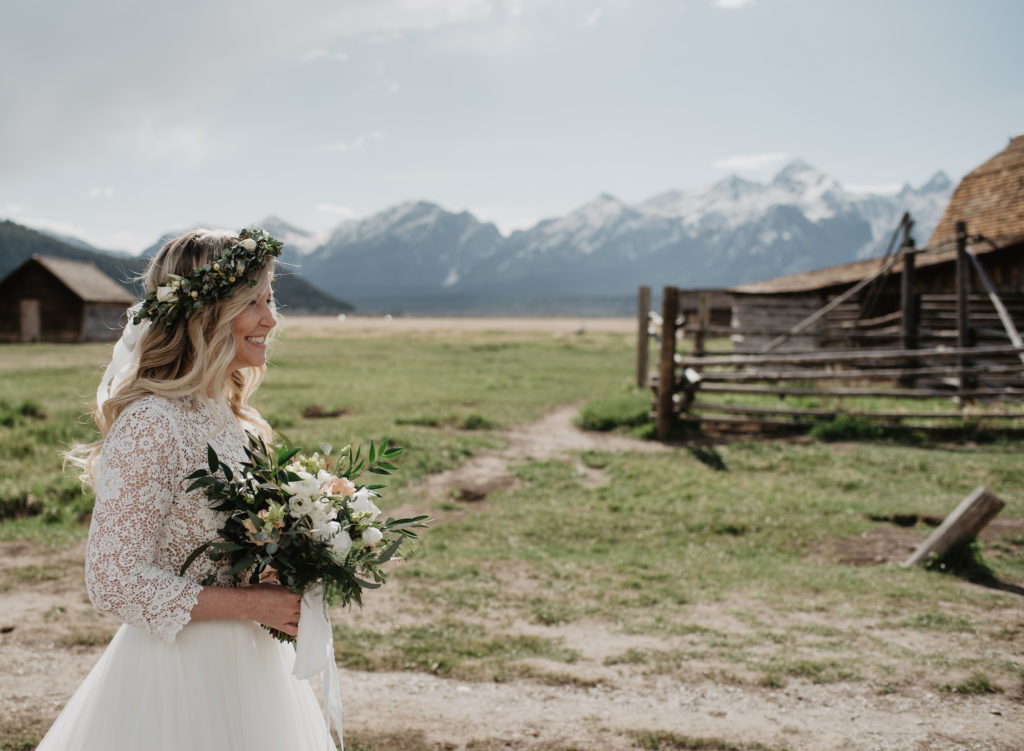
(221, 686)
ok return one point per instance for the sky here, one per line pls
(121, 120)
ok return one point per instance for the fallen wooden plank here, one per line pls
(966, 521)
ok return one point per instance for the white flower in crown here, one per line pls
(363, 505)
(248, 243)
(372, 535)
(166, 293)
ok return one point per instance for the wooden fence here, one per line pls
(955, 354)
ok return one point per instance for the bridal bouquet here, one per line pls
(307, 521)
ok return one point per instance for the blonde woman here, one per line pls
(191, 668)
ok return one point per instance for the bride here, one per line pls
(191, 668)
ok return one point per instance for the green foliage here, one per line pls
(624, 409)
(445, 647)
(260, 531)
(661, 740)
(964, 560)
(976, 684)
(12, 415)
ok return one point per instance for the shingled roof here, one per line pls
(990, 199)
(85, 280)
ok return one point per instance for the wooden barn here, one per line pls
(909, 297)
(59, 300)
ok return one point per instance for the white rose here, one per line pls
(325, 530)
(248, 243)
(341, 543)
(372, 535)
(306, 486)
(321, 513)
(300, 505)
(362, 503)
(166, 294)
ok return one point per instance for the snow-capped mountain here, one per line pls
(300, 241)
(413, 248)
(732, 232)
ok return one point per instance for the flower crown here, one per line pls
(184, 295)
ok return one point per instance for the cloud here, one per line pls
(345, 212)
(593, 17)
(885, 189)
(319, 53)
(751, 162)
(98, 193)
(732, 4)
(13, 209)
(355, 144)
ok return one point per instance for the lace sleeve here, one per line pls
(141, 468)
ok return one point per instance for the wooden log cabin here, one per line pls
(910, 298)
(59, 300)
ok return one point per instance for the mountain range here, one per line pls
(418, 257)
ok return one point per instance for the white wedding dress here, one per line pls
(165, 684)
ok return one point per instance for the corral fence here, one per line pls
(958, 355)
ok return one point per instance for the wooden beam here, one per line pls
(866, 355)
(966, 521)
(643, 309)
(667, 363)
(963, 322)
(836, 302)
(780, 391)
(1004, 316)
(703, 322)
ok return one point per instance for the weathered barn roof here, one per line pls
(85, 280)
(990, 199)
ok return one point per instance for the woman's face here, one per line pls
(251, 328)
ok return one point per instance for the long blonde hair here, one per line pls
(193, 357)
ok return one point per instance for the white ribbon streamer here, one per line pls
(314, 653)
(125, 359)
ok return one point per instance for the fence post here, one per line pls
(703, 321)
(667, 363)
(963, 322)
(643, 307)
(909, 301)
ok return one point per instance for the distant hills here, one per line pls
(18, 244)
(418, 257)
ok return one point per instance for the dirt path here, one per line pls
(50, 637)
(554, 436)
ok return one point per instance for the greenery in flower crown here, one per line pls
(184, 295)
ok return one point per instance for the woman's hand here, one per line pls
(266, 603)
(277, 607)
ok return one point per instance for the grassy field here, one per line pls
(497, 588)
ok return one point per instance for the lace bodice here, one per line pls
(144, 524)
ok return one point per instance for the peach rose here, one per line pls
(342, 486)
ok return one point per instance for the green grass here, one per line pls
(659, 740)
(450, 648)
(737, 523)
